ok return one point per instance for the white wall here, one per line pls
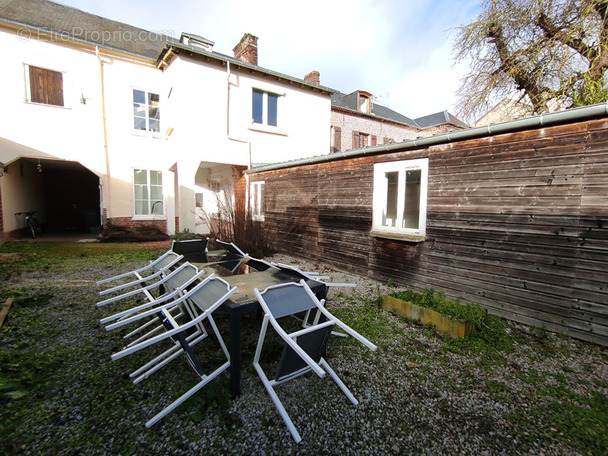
(208, 108)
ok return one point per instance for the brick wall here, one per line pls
(382, 130)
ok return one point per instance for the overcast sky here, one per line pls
(399, 50)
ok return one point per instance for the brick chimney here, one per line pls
(314, 77)
(247, 49)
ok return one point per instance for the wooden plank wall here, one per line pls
(516, 222)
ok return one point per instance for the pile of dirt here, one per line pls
(113, 233)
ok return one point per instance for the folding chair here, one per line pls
(165, 261)
(303, 350)
(164, 280)
(231, 248)
(311, 275)
(173, 284)
(206, 296)
(194, 250)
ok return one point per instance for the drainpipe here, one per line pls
(105, 132)
(228, 99)
(228, 74)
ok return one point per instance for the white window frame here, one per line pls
(264, 126)
(149, 215)
(256, 200)
(381, 194)
(147, 130)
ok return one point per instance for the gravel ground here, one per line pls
(415, 396)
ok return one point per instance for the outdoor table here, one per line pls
(242, 273)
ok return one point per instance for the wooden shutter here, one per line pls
(355, 139)
(337, 139)
(46, 86)
(374, 140)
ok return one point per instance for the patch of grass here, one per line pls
(488, 336)
(436, 300)
(363, 316)
(576, 420)
(18, 257)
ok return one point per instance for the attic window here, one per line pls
(44, 86)
(365, 103)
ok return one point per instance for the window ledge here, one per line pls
(33, 103)
(398, 236)
(267, 129)
(149, 134)
(149, 217)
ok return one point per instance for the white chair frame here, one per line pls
(177, 329)
(165, 261)
(290, 339)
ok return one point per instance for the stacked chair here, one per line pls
(176, 303)
(303, 350)
(156, 269)
(202, 300)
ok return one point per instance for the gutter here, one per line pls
(543, 120)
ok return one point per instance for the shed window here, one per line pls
(400, 196)
(256, 200)
(44, 86)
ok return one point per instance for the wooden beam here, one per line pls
(4, 310)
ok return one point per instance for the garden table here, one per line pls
(247, 274)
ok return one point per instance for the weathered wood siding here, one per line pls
(516, 222)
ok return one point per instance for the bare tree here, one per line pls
(546, 51)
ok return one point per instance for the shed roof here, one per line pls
(584, 113)
(69, 23)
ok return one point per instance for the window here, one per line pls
(265, 108)
(400, 194)
(360, 140)
(146, 111)
(198, 200)
(148, 192)
(256, 200)
(44, 86)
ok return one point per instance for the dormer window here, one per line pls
(365, 102)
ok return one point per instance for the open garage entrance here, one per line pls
(64, 194)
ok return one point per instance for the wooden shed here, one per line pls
(512, 216)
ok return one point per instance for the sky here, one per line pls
(398, 50)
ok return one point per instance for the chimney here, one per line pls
(314, 77)
(247, 49)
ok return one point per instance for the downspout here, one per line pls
(228, 99)
(228, 75)
(105, 132)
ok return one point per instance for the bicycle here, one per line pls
(32, 223)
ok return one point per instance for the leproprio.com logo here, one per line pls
(95, 36)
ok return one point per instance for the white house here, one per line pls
(104, 122)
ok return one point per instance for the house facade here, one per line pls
(104, 123)
(357, 121)
(512, 216)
